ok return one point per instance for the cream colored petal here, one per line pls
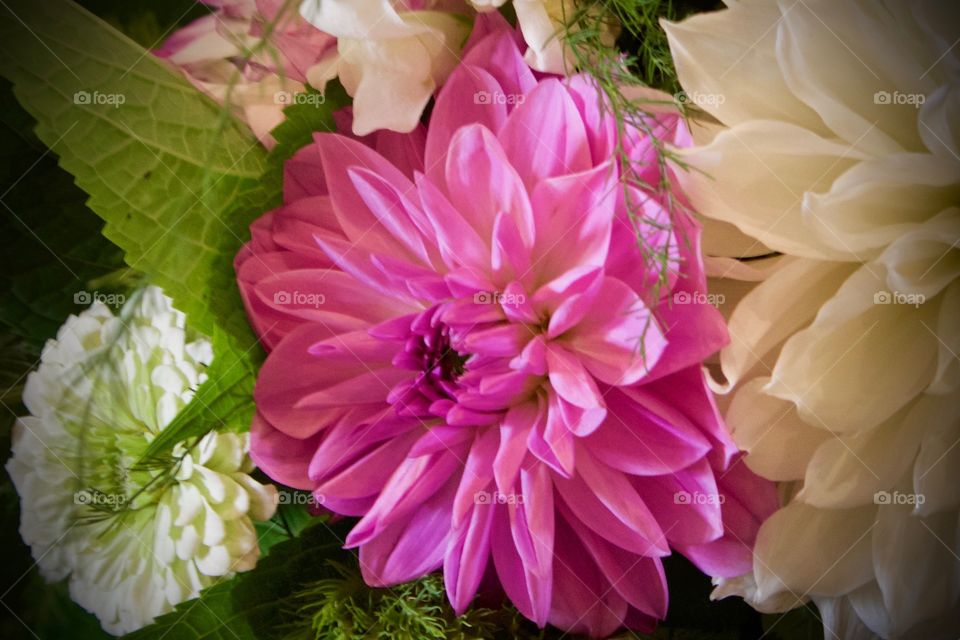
(926, 260)
(848, 471)
(390, 82)
(916, 565)
(724, 239)
(778, 443)
(935, 469)
(816, 552)
(754, 176)
(443, 35)
(940, 122)
(878, 200)
(704, 128)
(325, 69)
(840, 620)
(359, 19)
(745, 587)
(541, 32)
(947, 379)
(867, 604)
(724, 272)
(773, 311)
(837, 57)
(865, 344)
(717, 52)
(212, 45)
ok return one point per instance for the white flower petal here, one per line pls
(835, 78)
(851, 335)
(780, 444)
(935, 469)
(911, 555)
(357, 19)
(215, 562)
(840, 620)
(847, 471)
(719, 51)
(820, 552)
(940, 123)
(786, 301)
(775, 163)
(877, 201)
(542, 32)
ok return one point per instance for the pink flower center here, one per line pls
(427, 350)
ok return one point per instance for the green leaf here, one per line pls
(289, 521)
(176, 180)
(303, 119)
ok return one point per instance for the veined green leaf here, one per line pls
(176, 178)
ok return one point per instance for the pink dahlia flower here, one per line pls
(461, 355)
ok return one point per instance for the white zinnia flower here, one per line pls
(838, 146)
(393, 54)
(133, 541)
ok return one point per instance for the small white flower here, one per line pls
(133, 541)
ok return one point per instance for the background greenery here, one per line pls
(53, 244)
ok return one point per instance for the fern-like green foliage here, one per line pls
(342, 607)
(639, 35)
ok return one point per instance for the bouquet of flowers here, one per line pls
(481, 319)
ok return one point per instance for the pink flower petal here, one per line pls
(481, 182)
(467, 558)
(640, 442)
(544, 136)
(461, 102)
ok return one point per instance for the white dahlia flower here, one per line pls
(134, 540)
(838, 146)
